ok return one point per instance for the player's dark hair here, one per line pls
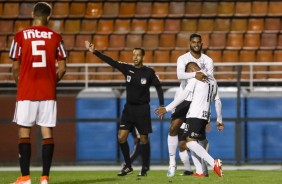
(194, 35)
(42, 9)
(142, 50)
(188, 65)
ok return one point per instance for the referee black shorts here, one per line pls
(138, 116)
(181, 111)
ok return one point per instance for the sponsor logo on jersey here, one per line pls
(143, 80)
(128, 78)
(131, 71)
(31, 33)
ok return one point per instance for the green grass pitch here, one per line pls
(154, 177)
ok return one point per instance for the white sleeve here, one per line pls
(181, 74)
(182, 96)
(218, 107)
(210, 68)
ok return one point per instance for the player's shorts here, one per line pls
(196, 128)
(181, 111)
(181, 136)
(138, 116)
(43, 113)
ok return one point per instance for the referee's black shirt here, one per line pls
(138, 81)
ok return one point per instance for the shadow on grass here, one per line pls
(100, 180)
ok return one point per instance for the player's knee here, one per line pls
(121, 139)
(182, 146)
(173, 130)
(144, 140)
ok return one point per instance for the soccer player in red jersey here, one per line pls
(35, 51)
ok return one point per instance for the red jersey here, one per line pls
(37, 48)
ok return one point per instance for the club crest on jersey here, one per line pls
(203, 66)
(143, 80)
(128, 78)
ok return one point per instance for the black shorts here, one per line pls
(181, 136)
(196, 128)
(181, 111)
(138, 116)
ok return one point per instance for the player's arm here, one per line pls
(156, 82)
(182, 75)
(16, 70)
(62, 67)
(210, 67)
(115, 64)
(218, 110)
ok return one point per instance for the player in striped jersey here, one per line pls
(35, 51)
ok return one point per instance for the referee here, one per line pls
(136, 112)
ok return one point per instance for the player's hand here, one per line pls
(208, 127)
(89, 46)
(220, 126)
(160, 112)
(201, 76)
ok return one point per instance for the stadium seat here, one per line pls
(193, 9)
(272, 25)
(5, 58)
(155, 26)
(161, 56)
(225, 9)
(56, 25)
(174, 54)
(228, 56)
(1, 9)
(259, 8)
(234, 41)
(189, 25)
(263, 56)
(160, 72)
(251, 41)
(215, 55)
(176, 9)
(150, 41)
(221, 25)
(69, 41)
(239, 25)
(160, 9)
(182, 41)
(205, 25)
(76, 57)
(143, 9)
(133, 41)
(79, 41)
(139, 26)
(172, 25)
(167, 41)
(274, 8)
(104, 73)
(72, 26)
(268, 41)
(101, 41)
(122, 26)
(3, 42)
(21, 24)
(279, 41)
(94, 10)
(243, 9)
(126, 56)
(25, 10)
(77, 10)
(170, 73)
(110, 9)
(105, 26)
(116, 42)
(205, 40)
(148, 56)
(112, 53)
(277, 57)
(60, 10)
(209, 9)
(217, 41)
(6, 27)
(231, 56)
(91, 58)
(126, 9)
(11, 10)
(88, 26)
(255, 25)
(247, 56)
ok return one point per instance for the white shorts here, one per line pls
(43, 113)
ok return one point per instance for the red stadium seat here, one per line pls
(126, 9)
(274, 8)
(110, 9)
(167, 41)
(105, 26)
(251, 41)
(221, 25)
(60, 10)
(225, 9)
(215, 55)
(263, 56)
(172, 25)
(176, 9)
(182, 41)
(116, 42)
(268, 41)
(239, 25)
(126, 56)
(272, 25)
(193, 9)
(88, 26)
(259, 8)
(189, 25)
(80, 41)
(3, 42)
(276, 58)
(175, 54)
(217, 41)
(94, 9)
(155, 26)
(21, 24)
(6, 27)
(148, 57)
(77, 9)
(139, 26)
(143, 9)
(161, 56)
(76, 57)
(57, 25)
(11, 10)
(150, 41)
(69, 41)
(243, 9)
(234, 41)
(255, 25)
(133, 41)
(25, 10)
(72, 26)
(122, 26)
(209, 9)
(101, 41)
(205, 25)
(160, 9)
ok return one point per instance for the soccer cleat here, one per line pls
(125, 171)
(218, 167)
(143, 172)
(44, 180)
(199, 175)
(171, 171)
(187, 173)
(23, 180)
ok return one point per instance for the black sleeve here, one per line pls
(115, 64)
(156, 82)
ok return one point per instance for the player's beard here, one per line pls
(196, 51)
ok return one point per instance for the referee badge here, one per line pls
(128, 78)
(143, 80)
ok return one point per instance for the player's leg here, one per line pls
(25, 114)
(145, 154)
(122, 139)
(47, 119)
(205, 144)
(136, 150)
